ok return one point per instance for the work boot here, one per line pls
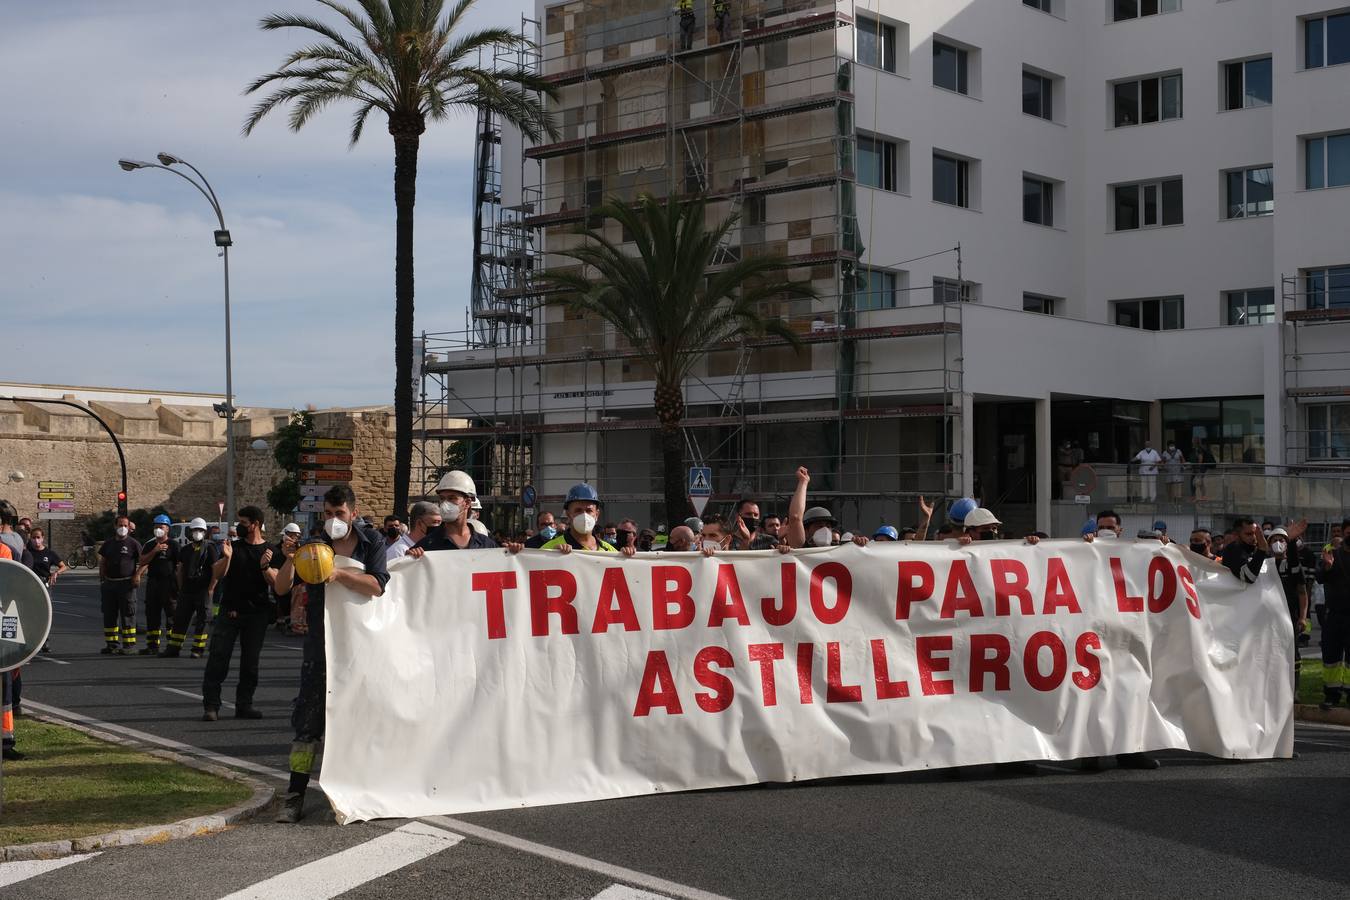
(196, 654)
(169, 653)
(11, 754)
(248, 712)
(1136, 761)
(211, 715)
(147, 651)
(292, 808)
(109, 650)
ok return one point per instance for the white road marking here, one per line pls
(62, 612)
(354, 866)
(283, 647)
(156, 740)
(567, 858)
(194, 696)
(51, 659)
(624, 892)
(14, 872)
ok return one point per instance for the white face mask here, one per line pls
(822, 537)
(198, 535)
(1278, 547)
(712, 545)
(450, 511)
(160, 532)
(336, 529)
(583, 524)
(1106, 534)
(122, 531)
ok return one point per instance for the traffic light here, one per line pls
(121, 503)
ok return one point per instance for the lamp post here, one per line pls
(222, 236)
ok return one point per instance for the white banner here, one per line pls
(486, 681)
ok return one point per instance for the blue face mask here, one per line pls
(548, 532)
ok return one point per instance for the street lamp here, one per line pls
(222, 238)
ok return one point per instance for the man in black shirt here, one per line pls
(196, 560)
(545, 531)
(1245, 556)
(350, 538)
(247, 568)
(119, 557)
(160, 558)
(46, 563)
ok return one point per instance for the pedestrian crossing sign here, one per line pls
(700, 482)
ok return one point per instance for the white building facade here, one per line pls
(1151, 201)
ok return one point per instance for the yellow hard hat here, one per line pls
(314, 562)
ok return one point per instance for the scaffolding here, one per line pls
(760, 121)
(1315, 346)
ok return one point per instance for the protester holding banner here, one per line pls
(348, 538)
(457, 494)
(582, 508)
(1245, 556)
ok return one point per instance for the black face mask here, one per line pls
(751, 523)
(644, 544)
(1198, 548)
(988, 535)
(392, 531)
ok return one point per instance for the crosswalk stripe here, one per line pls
(624, 892)
(52, 659)
(354, 866)
(225, 703)
(14, 872)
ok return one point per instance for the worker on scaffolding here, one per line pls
(687, 21)
(582, 507)
(722, 18)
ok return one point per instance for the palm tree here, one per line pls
(671, 303)
(401, 59)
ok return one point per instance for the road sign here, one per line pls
(56, 506)
(325, 444)
(25, 614)
(311, 504)
(527, 496)
(220, 505)
(331, 476)
(56, 495)
(343, 460)
(56, 485)
(55, 515)
(314, 490)
(700, 481)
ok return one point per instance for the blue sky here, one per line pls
(111, 278)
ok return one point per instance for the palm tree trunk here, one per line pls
(407, 137)
(669, 403)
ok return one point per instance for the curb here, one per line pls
(263, 795)
(1307, 712)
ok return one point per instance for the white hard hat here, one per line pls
(457, 481)
(197, 523)
(477, 504)
(980, 516)
(1278, 532)
(291, 528)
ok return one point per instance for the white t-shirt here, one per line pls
(399, 548)
(1148, 460)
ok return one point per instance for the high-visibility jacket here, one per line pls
(684, 6)
(721, 6)
(567, 538)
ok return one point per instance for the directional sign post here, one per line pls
(700, 487)
(56, 500)
(344, 444)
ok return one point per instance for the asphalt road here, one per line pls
(1195, 828)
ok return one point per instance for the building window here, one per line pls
(1133, 9)
(1250, 192)
(1039, 303)
(1326, 161)
(1148, 205)
(1038, 201)
(949, 290)
(1037, 95)
(876, 44)
(1326, 41)
(878, 290)
(1042, 5)
(951, 67)
(1231, 430)
(1328, 431)
(1327, 288)
(1250, 307)
(1247, 84)
(877, 163)
(1143, 100)
(1151, 314)
(951, 180)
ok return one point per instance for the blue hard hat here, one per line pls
(1160, 525)
(162, 519)
(960, 509)
(1089, 527)
(887, 531)
(582, 491)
